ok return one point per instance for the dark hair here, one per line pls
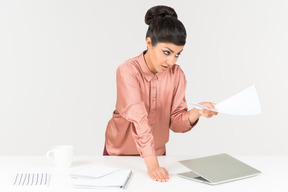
(164, 26)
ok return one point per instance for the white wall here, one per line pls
(58, 60)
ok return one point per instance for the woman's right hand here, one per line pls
(158, 174)
(154, 171)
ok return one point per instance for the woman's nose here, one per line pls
(171, 61)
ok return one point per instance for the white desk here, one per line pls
(274, 175)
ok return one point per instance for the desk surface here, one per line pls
(274, 175)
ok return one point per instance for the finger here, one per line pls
(155, 176)
(208, 113)
(214, 112)
(211, 106)
(165, 174)
(160, 176)
(211, 114)
(201, 111)
(152, 176)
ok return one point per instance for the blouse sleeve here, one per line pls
(179, 119)
(132, 108)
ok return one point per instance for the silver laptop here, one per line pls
(217, 169)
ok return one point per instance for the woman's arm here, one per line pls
(183, 120)
(131, 107)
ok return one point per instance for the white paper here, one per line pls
(91, 172)
(245, 102)
(95, 177)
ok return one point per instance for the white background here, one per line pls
(58, 60)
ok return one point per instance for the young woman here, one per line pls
(151, 95)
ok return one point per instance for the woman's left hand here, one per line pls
(207, 113)
(196, 113)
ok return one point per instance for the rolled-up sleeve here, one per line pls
(131, 107)
(179, 119)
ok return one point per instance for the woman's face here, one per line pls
(161, 56)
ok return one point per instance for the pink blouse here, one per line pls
(147, 106)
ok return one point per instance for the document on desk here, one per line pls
(246, 102)
(100, 177)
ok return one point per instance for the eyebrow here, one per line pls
(172, 50)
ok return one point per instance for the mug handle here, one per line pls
(50, 155)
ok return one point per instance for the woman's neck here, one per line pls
(148, 62)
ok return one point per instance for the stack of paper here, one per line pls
(99, 177)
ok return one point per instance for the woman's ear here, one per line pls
(148, 42)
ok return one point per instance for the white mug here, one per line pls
(61, 155)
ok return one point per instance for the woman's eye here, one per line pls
(166, 52)
(178, 54)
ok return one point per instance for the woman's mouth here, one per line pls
(164, 67)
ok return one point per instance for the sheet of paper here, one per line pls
(245, 102)
(115, 179)
(91, 172)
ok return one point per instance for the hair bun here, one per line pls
(159, 11)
